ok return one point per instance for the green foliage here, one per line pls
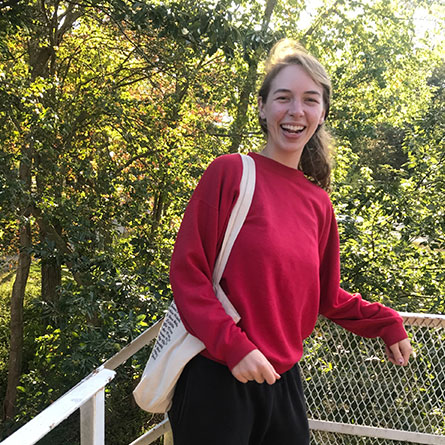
(118, 107)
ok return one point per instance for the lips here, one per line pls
(292, 128)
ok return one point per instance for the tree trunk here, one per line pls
(241, 113)
(249, 85)
(16, 323)
(43, 62)
(39, 63)
(17, 296)
(51, 269)
(52, 234)
(51, 273)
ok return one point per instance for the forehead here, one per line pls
(294, 78)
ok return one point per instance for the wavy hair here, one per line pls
(315, 160)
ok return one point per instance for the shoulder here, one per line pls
(318, 194)
(226, 163)
(223, 170)
(320, 202)
(221, 179)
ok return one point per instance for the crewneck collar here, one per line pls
(276, 167)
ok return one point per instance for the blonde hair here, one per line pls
(315, 160)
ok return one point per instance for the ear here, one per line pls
(322, 118)
(261, 108)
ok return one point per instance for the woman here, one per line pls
(283, 271)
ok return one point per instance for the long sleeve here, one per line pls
(197, 245)
(350, 310)
(283, 270)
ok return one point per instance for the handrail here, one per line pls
(150, 436)
(409, 318)
(134, 346)
(79, 396)
(58, 411)
(424, 320)
(82, 394)
(377, 432)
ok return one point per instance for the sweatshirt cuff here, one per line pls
(394, 333)
(238, 352)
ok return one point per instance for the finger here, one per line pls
(260, 373)
(271, 375)
(259, 379)
(397, 354)
(407, 351)
(271, 379)
(390, 355)
(262, 370)
(404, 357)
(241, 379)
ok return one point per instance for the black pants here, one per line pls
(210, 407)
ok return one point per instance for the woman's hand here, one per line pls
(255, 366)
(399, 353)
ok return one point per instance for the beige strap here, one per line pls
(236, 221)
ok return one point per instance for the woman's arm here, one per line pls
(350, 310)
(197, 245)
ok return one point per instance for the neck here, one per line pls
(290, 159)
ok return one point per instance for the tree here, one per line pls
(102, 170)
(112, 111)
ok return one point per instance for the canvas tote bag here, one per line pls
(174, 346)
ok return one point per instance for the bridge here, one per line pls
(354, 395)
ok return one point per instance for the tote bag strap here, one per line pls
(237, 217)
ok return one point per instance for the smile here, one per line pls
(292, 128)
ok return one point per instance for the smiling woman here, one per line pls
(292, 111)
(283, 271)
(296, 90)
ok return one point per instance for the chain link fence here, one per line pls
(352, 389)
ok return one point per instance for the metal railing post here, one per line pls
(168, 438)
(92, 420)
(88, 395)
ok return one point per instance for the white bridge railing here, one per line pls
(354, 397)
(88, 395)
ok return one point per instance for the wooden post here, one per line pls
(168, 438)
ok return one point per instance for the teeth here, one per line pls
(292, 127)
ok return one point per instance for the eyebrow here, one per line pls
(284, 90)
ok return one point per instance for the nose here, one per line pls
(295, 108)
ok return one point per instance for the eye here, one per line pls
(312, 100)
(281, 98)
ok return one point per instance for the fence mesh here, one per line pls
(348, 380)
(324, 438)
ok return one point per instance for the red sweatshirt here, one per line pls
(283, 271)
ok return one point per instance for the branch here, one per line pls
(231, 135)
(70, 16)
(134, 159)
(270, 6)
(61, 244)
(319, 20)
(43, 7)
(420, 296)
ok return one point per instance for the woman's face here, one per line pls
(293, 111)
